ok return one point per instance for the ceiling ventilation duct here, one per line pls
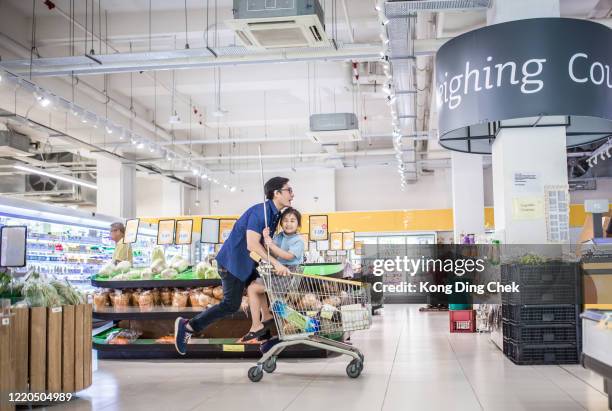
(402, 8)
(271, 24)
(14, 144)
(35, 186)
(333, 128)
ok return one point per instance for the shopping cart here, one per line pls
(314, 311)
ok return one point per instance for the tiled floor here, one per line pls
(412, 362)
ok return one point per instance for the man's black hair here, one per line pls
(274, 184)
(290, 210)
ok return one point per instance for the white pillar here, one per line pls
(116, 184)
(525, 160)
(468, 194)
(539, 154)
(172, 198)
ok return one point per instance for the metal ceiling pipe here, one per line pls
(340, 154)
(102, 98)
(187, 59)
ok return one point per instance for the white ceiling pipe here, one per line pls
(136, 62)
(347, 17)
(98, 96)
(90, 32)
(340, 154)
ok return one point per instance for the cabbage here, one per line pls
(107, 269)
(134, 275)
(158, 254)
(124, 266)
(201, 270)
(146, 274)
(169, 273)
(157, 266)
(179, 263)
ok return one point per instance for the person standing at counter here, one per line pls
(123, 251)
(236, 267)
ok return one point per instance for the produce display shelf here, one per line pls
(157, 313)
(198, 348)
(179, 283)
(324, 269)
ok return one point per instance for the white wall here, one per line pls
(342, 190)
(379, 189)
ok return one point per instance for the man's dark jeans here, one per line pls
(233, 289)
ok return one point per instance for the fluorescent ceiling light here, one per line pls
(61, 177)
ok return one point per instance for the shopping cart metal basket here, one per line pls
(314, 311)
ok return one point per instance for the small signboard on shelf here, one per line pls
(348, 241)
(225, 228)
(165, 232)
(323, 245)
(335, 241)
(184, 232)
(13, 246)
(318, 226)
(358, 247)
(210, 231)
(131, 231)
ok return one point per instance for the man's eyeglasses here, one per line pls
(287, 189)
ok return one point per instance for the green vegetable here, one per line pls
(39, 293)
(532, 259)
(67, 293)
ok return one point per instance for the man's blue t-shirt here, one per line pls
(234, 255)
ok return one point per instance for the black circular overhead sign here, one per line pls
(535, 72)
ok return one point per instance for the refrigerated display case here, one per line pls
(68, 243)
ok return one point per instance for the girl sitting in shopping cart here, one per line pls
(288, 248)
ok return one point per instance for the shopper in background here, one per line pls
(287, 246)
(123, 251)
(236, 267)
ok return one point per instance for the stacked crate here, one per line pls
(541, 323)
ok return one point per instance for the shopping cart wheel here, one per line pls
(362, 359)
(270, 364)
(255, 374)
(354, 368)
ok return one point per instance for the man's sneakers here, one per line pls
(181, 335)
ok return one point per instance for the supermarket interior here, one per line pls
(288, 204)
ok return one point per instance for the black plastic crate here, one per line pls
(541, 314)
(552, 273)
(541, 354)
(541, 334)
(557, 295)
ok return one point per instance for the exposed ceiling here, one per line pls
(225, 112)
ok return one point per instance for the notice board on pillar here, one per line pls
(557, 214)
(131, 231)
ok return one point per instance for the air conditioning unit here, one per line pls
(271, 24)
(333, 128)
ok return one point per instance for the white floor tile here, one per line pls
(412, 362)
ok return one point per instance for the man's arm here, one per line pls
(254, 245)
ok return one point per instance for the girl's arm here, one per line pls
(275, 250)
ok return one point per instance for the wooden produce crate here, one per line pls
(46, 350)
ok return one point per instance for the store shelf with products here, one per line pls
(66, 243)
